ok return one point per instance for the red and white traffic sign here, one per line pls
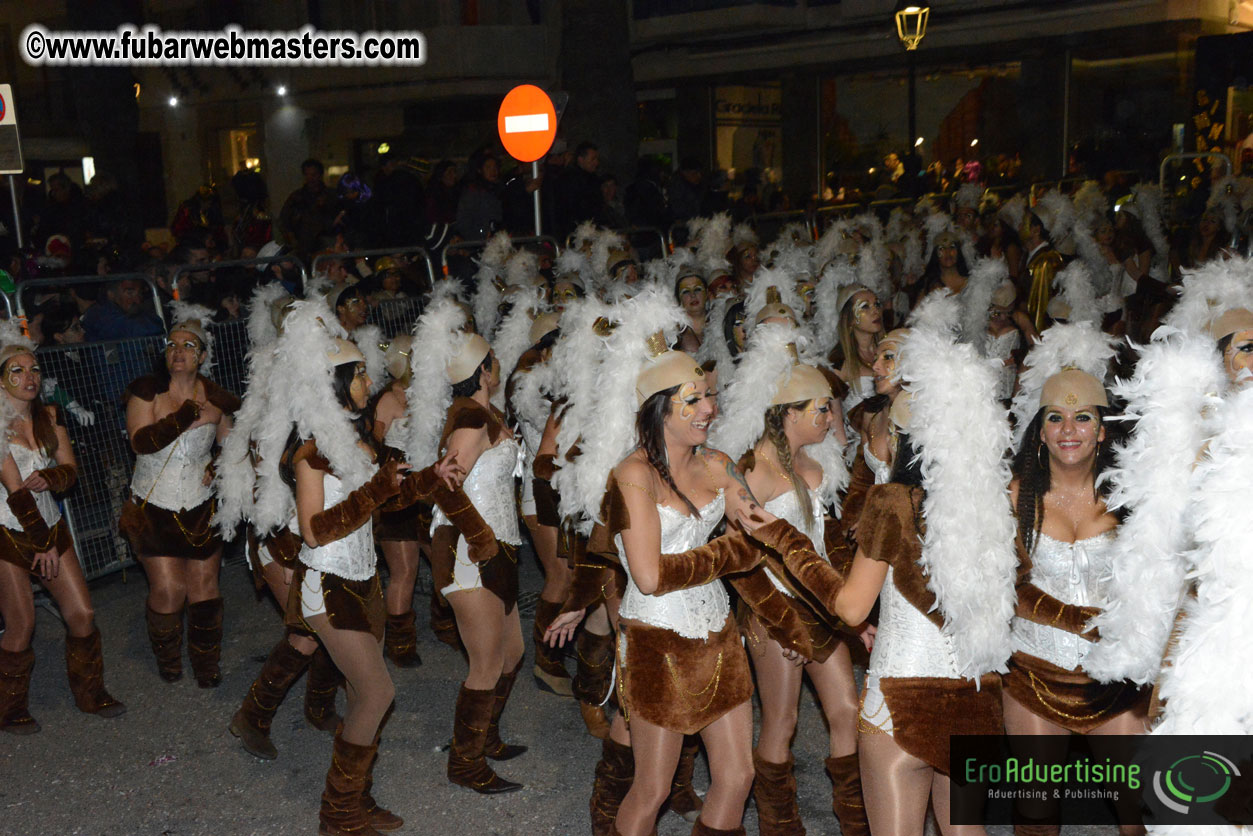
(527, 123)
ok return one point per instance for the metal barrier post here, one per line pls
(378, 253)
(73, 280)
(8, 306)
(469, 246)
(239, 263)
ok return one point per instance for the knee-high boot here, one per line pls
(846, 800)
(614, 774)
(594, 658)
(165, 632)
(467, 763)
(342, 812)
(321, 687)
(251, 723)
(401, 643)
(84, 666)
(204, 641)
(683, 798)
(380, 819)
(15, 668)
(495, 748)
(550, 671)
(702, 829)
(774, 791)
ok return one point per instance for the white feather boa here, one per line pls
(429, 394)
(1172, 387)
(713, 346)
(1074, 287)
(961, 433)
(826, 321)
(746, 394)
(1081, 345)
(513, 337)
(1208, 682)
(986, 275)
(1211, 290)
(369, 338)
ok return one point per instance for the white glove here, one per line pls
(81, 414)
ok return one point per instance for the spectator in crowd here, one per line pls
(613, 212)
(110, 220)
(355, 221)
(518, 200)
(646, 198)
(287, 272)
(309, 212)
(577, 192)
(442, 194)
(200, 214)
(399, 202)
(120, 314)
(350, 307)
(686, 191)
(60, 324)
(65, 212)
(479, 210)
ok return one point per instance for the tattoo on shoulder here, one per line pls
(734, 472)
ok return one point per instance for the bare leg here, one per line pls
(402, 565)
(69, 590)
(278, 580)
(779, 687)
(481, 623)
(895, 784)
(167, 583)
(368, 684)
(17, 606)
(202, 578)
(837, 694)
(941, 786)
(1019, 720)
(556, 572)
(1127, 723)
(656, 753)
(729, 744)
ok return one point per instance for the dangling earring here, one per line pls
(1039, 453)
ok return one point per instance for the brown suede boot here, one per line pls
(444, 622)
(774, 792)
(846, 800)
(15, 668)
(321, 687)
(401, 644)
(594, 657)
(251, 723)
(702, 829)
(495, 748)
(84, 666)
(550, 671)
(204, 641)
(380, 819)
(467, 766)
(683, 798)
(342, 813)
(614, 774)
(165, 632)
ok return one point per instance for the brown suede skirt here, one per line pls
(16, 547)
(927, 711)
(499, 575)
(546, 503)
(350, 605)
(816, 641)
(153, 531)
(412, 523)
(677, 683)
(282, 547)
(1069, 698)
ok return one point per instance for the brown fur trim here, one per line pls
(466, 413)
(613, 509)
(499, 575)
(443, 546)
(1069, 698)
(22, 503)
(154, 531)
(161, 434)
(223, 399)
(308, 451)
(16, 547)
(788, 621)
(547, 510)
(350, 605)
(356, 509)
(145, 388)
(592, 578)
(60, 478)
(284, 547)
(544, 467)
(840, 552)
(861, 480)
(726, 555)
(927, 711)
(681, 684)
(480, 539)
(888, 531)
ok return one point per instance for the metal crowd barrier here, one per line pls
(467, 248)
(257, 266)
(825, 216)
(66, 282)
(379, 253)
(395, 316)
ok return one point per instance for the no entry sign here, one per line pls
(10, 145)
(527, 123)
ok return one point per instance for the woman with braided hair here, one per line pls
(174, 420)
(38, 463)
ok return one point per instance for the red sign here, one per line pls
(527, 123)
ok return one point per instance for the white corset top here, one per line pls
(490, 489)
(882, 470)
(908, 643)
(351, 557)
(28, 461)
(693, 613)
(786, 506)
(173, 478)
(397, 432)
(1073, 573)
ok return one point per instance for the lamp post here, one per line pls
(911, 28)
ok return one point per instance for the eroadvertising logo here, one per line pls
(1101, 780)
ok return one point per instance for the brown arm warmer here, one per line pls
(163, 433)
(860, 481)
(1036, 605)
(591, 579)
(347, 516)
(804, 564)
(726, 555)
(60, 478)
(544, 467)
(22, 503)
(777, 614)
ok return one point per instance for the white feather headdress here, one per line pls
(826, 323)
(986, 274)
(960, 432)
(1079, 345)
(11, 335)
(939, 223)
(513, 337)
(1211, 290)
(369, 338)
(429, 394)
(710, 238)
(713, 347)
(746, 393)
(967, 196)
(198, 317)
(1075, 300)
(1013, 211)
(755, 295)
(491, 272)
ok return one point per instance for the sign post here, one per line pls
(527, 124)
(10, 152)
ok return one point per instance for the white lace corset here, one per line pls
(882, 470)
(785, 506)
(1000, 347)
(1073, 573)
(351, 557)
(173, 477)
(490, 489)
(693, 613)
(908, 643)
(28, 461)
(397, 432)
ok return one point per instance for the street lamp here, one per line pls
(911, 28)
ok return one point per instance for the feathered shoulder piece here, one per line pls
(1058, 213)
(967, 196)
(438, 333)
(1211, 290)
(756, 295)
(1073, 345)
(1013, 211)
(196, 319)
(1174, 383)
(497, 252)
(262, 329)
(521, 269)
(711, 238)
(1148, 202)
(514, 335)
(960, 431)
(986, 274)
(744, 235)
(12, 343)
(1076, 297)
(583, 237)
(571, 265)
(794, 260)
(446, 289)
(713, 348)
(746, 393)
(665, 271)
(369, 338)
(602, 245)
(1090, 203)
(837, 275)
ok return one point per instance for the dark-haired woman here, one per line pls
(1066, 539)
(691, 294)
(36, 542)
(173, 424)
(484, 596)
(745, 259)
(947, 266)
